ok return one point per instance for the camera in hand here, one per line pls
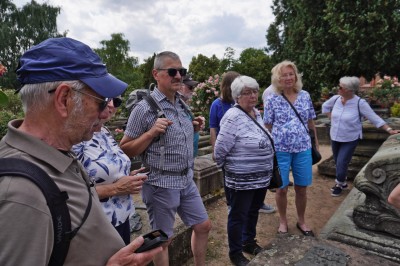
(152, 240)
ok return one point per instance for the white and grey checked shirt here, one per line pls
(178, 142)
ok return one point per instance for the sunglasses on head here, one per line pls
(173, 71)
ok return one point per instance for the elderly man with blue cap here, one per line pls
(65, 91)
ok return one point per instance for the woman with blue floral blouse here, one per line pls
(291, 139)
(109, 167)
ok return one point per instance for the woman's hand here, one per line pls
(131, 184)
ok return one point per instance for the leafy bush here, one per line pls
(395, 110)
(386, 91)
(10, 110)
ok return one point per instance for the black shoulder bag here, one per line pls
(316, 156)
(276, 179)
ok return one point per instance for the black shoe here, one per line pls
(238, 259)
(252, 248)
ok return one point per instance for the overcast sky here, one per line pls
(186, 27)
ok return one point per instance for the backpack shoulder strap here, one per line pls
(359, 112)
(155, 106)
(56, 200)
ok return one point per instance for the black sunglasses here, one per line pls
(102, 102)
(173, 71)
(117, 102)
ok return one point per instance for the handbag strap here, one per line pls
(262, 128)
(295, 111)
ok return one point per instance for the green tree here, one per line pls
(227, 61)
(115, 54)
(256, 64)
(20, 28)
(330, 39)
(202, 67)
(146, 69)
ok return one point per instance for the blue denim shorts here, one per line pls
(301, 165)
(163, 204)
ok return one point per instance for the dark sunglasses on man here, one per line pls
(117, 102)
(173, 71)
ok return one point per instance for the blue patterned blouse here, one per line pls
(288, 132)
(105, 163)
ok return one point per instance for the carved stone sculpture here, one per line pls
(376, 180)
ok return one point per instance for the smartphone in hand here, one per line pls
(152, 240)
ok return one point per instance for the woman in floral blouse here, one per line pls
(291, 138)
(109, 167)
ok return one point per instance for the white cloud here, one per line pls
(188, 28)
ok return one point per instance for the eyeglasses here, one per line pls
(102, 102)
(249, 92)
(117, 102)
(173, 71)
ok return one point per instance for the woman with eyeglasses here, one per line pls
(291, 139)
(108, 166)
(244, 149)
(346, 111)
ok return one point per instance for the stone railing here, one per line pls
(376, 180)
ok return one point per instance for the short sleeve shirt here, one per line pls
(217, 110)
(178, 142)
(105, 163)
(290, 135)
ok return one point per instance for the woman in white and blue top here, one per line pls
(246, 153)
(346, 111)
(109, 167)
(291, 139)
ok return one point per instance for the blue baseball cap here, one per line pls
(62, 59)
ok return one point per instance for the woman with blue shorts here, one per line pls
(292, 141)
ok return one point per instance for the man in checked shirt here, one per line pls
(170, 188)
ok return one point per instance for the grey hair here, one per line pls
(159, 59)
(36, 97)
(350, 83)
(277, 72)
(242, 82)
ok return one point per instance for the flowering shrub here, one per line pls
(386, 91)
(203, 95)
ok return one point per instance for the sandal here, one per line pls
(305, 232)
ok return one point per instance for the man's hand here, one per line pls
(126, 255)
(159, 127)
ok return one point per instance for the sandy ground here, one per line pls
(320, 207)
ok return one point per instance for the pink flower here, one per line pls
(208, 91)
(216, 93)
